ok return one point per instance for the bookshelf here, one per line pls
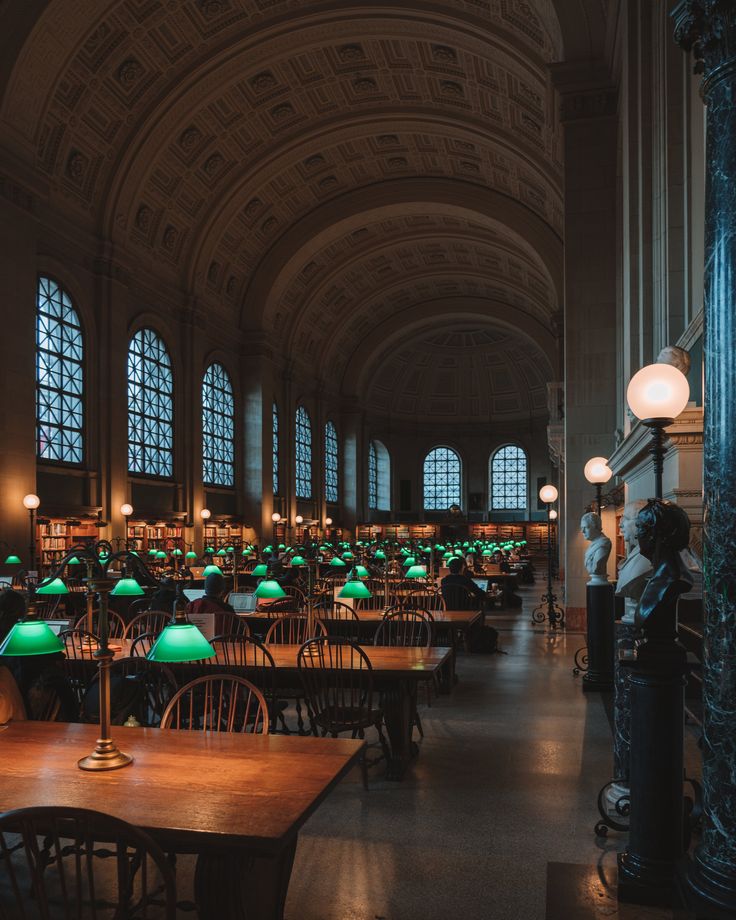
(144, 535)
(56, 536)
(219, 534)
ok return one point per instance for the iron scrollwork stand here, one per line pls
(548, 608)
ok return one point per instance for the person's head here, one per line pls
(214, 585)
(627, 526)
(662, 527)
(167, 582)
(455, 565)
(591, 526)
(12, 609)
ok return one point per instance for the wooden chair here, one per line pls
(408, 628)
(239, 651)
(298, 595)
(48, 859)
(137, 687)
(293, 629)
(142, 645)
(47, 609)
(79, 644)
(341, 620)
(78, 665)
(231, 624)
(150, 621)
(338, 686)
(423, 599)
(218, 703)
(115, 624)
(379, 599)
(138, 606)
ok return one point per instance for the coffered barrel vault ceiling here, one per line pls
(235, 150)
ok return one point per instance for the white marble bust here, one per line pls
(596, 556)
(635, 570)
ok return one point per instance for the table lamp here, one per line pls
(180, 640)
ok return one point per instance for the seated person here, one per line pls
(212, 602)
(165, 597)
(458, 589)
(12, 609)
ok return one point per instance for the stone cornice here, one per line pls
(686, 432)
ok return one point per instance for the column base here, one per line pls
(648, 882)
(596, 682)
(709, 893)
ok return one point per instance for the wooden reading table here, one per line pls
(236, 801)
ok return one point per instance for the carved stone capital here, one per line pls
(707, 28)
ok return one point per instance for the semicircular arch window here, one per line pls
(509, 479)
(150, 406)
(442, 479)
(218, 427)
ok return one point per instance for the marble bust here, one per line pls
(635, 569)
(596, 556)
(663, 532)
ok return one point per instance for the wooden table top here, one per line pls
(418, 663)
(195, 790)
(455, 617)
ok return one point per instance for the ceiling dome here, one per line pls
(461, 373)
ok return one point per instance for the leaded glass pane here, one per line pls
(150, 406)
(303, 448)
(372, 477)
(275, 448)
(331, 463)
(218, 427)
(508, 475)
(59, 376)
(441, 479)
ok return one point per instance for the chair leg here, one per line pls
(364, 770)
(382, 740)
(418, 723)
(299, 718)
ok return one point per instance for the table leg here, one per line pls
(399, 704)
(243, 887)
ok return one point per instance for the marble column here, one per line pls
(708, 29)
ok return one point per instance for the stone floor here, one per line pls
(495, 820)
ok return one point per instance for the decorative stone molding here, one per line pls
(707, 29)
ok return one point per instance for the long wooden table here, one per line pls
(396, 675)
(236, 801)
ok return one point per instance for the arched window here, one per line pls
(508, 485)
(372, 477)
(303, 449)
(59, 376)
(275, 447)
(150, 406)
(331, 463)
(442, 478)
(218, 427)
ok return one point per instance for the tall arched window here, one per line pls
(150, 406)
(508, 485)
(331, 463)
(303, 450)
(442, 478)
(59, 376)
(372, 477)
(218, 427)
(275, 447)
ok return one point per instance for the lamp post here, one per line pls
(205, 514)
(31, 502)
(656, 395)
(126, 510)
(597, 472)
(548, 608)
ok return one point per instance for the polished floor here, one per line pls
(495, 820)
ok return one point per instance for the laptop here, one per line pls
(242, 602)
(193, 594)
(482, 583)
(56, 626)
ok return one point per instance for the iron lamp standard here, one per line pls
(597, 472)
(548, 608)
(31, 502)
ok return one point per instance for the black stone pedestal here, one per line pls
(600, 611)
(648, 867)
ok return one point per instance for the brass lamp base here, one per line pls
(105, 756)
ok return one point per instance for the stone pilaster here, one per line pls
(708, 29)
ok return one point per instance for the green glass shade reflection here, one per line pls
(212, 570)
(12, 560)
(56, 586)
(337, 563)
(416, 571)
(261, 570)
(354, 589)
(298, 560)
(31, 637)
(127, 587)
(269, 588)
(180, 642)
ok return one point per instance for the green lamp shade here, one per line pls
(439, 547)
(176, 552)
(160, 554)
(12, 560)
(410, 560)
(347, 555)
(56, 586)
(31, 637)
(282, 545)
(221, 552)
(379, 554)
(269, 588)
(416, 571)
(231, 549)
(151, 552)
(210, 570)
(209, 549)
(426, 550)
(73, 561)
(337, 563)
(127, 587)
(261, 570)
(354, 589)
(267, 549)
(361, 571)
(191, 555)
(247, 552)
(180, 642)
(298, 560)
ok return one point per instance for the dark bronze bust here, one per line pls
(663, 531)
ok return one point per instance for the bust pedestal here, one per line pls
(600, 609)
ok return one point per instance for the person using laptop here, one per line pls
(458, 588)
(213, 600)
